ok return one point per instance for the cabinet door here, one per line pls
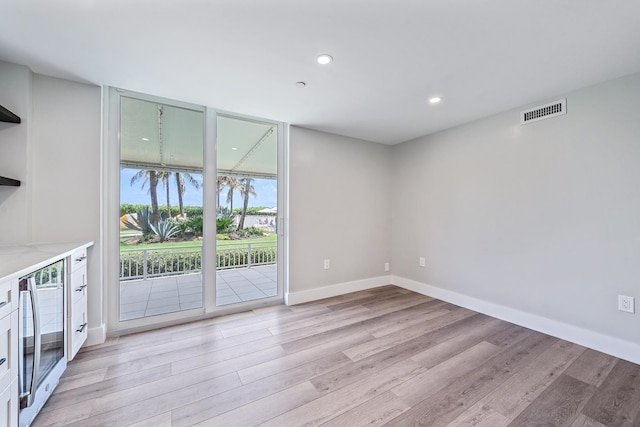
(8, 296)
(78, 285)
(9, 405)
(77, 327)
(77, 303)
(8, 349)
(79, 259)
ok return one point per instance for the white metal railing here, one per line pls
(176, 260)
(156, 262)
(236, 255)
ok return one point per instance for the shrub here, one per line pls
(251, 231)
(224, 224)
(193, 211)
(182, 226)
(195, 224)
(164, 229)
(128, 208)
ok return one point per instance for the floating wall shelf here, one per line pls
(8, 116)
(9, 182)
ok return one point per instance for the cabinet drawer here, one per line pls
(8, 296)
(8, 349)
(79, 259)
(78, 285)
(78, 327)
(9, 405)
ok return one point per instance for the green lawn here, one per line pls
(197, 243)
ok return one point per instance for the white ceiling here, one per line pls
(246, 148)
(245, 56)
(166, 137)
(160, 136)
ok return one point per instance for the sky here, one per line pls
(266, 190)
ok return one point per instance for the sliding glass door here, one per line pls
(247, 210)
(161, 208)
(200, 205)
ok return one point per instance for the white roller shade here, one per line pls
(161, 136)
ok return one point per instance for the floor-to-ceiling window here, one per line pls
(200, 210)
(161, 209)
(247, 210)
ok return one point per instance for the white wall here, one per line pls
(339, 209)
(65, 164)
(541, 219)
(65, 160)
(15, 95)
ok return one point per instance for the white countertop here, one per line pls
(18, 260)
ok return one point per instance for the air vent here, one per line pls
(542, 112)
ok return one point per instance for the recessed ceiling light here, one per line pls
(324, 59)
(300, 84)
(234, 148)
(435, 99)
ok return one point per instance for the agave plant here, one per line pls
(142, 222)
(164, 229)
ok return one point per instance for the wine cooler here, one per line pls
(42, 338)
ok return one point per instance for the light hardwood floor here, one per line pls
(380, 357)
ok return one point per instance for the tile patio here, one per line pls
(144, 298)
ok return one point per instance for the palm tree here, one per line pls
(221, 182)
(164, 178)
(232, 183)
(180, 183)
(150, 176)
(246, 189)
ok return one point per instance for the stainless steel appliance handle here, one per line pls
(37, 340)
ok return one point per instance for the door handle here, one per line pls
(28, 285)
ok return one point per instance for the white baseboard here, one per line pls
(96, 336)
(614, 346)
(292, 298)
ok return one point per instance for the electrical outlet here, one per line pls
(327, 264)
(626, 303)
(422, 262)
(386, 266)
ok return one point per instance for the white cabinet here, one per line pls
(9, 352)
(9, 405)
(8, 349)
(8, 296)
(77, 302)
(20, 261)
